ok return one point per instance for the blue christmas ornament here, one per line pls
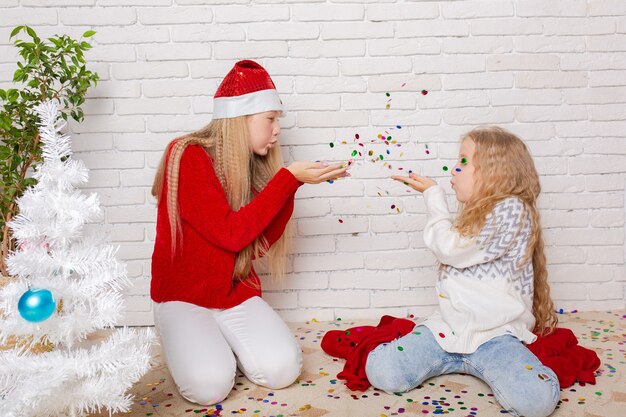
(36, 305)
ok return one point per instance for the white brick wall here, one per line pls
(553, 72)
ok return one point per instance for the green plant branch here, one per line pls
(54, 70)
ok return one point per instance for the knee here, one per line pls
(278, 371)
(539, 402)
(383, 373)
(206, 388)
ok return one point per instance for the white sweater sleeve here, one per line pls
(450, 248)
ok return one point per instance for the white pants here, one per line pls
(202, 347)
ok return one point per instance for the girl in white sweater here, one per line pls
(492, 284)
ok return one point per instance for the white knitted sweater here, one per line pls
(483, 290)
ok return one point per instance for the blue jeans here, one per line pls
(502, 363)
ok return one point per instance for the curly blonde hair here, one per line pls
(239, 171)
(505, 168)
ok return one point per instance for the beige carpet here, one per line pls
(319, 393)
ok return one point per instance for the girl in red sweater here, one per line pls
(224, 198)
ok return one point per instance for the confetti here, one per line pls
(400, 348)
(457, 169)
(445, 168)
(424, 92)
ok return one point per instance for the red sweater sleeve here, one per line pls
(203, 204)
(274, 231)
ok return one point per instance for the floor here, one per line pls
(319, 393)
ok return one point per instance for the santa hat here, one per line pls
(246, 89)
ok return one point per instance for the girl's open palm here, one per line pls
(316, 172)
(416, 182)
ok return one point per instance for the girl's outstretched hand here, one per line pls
(416, 182)
(316, 172)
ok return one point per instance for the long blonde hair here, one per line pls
(239, 171)
(505, 168)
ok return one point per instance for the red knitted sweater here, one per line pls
(201, 270)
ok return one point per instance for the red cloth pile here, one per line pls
(559, 351)
(570, 362)
(356, 343)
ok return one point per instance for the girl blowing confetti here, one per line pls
(492, 284)
(224, 199)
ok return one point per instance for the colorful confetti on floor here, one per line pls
(318, 392)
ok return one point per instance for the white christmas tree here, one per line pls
(65, 287)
